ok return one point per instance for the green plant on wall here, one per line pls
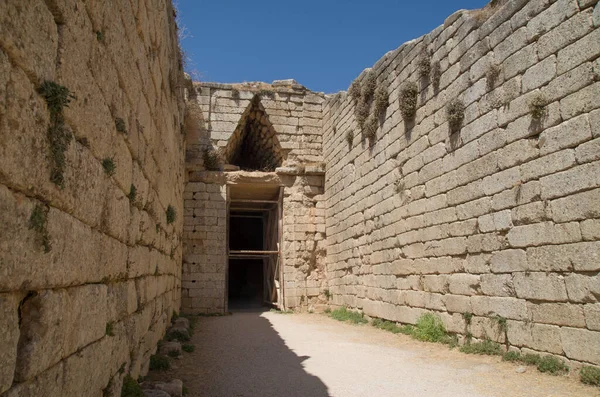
(455, 113)
(491, 75)
(120, 125)
(424, 65)
(354, 90)
(38, 221)
(537, 107)
(350, 138)
(132, 193)
(436, 75)
(408, 100)
(370, 127)
(361, 112)
(171, 214)
(368, 86)
(109, 166)
(382, 99)
(57, 98)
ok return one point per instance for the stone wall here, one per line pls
(499, 219)
(89, 271)
(205, 245)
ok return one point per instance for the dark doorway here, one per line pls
(246, 274)
(254, 235)
(246, 287)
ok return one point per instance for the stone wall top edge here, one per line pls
(259, 86)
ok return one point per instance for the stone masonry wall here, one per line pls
(89, 271)
(500, 219)
(205, 245)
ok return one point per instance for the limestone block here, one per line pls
(569, 82)
(592, 316)
(167, 347)
(155, 393)
(544, 233)
(9, 333)
(474, 208)
(517, 153)
(435, 283)
(568, 134)
(500, 181)
(49, 383)
(576, 207)
(540, 286)
(583, 288)
(596, 15)
(464, 284)
(497, 285)
(580, 51)
(576, 179)
(486, 328)
(511, 308)
(88, 383)
(589, 151)
(564, 34)
(558, 313)
(458, 303)
(590, 229)
(529, 213)
(511, 44)
(546, 165)
(536, 336)
(122, 299)
(520, 61)
(485, 242)
(581, 101)
(581, 344)
(173, 388)
(29, 34)
(478, 263)
(508, 261)
(50, 333)
(182, 322)
(567, 257)
(539, 74)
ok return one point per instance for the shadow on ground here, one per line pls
(242, 355)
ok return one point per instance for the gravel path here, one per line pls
(310, 355)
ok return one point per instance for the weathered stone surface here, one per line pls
(581, 344)
(592, 316)
(508, 261)
(167, 347)
(536, 336)
(562, 258)
(583, 288)
(540, 286)
(68, 307)
(9, 333)
(173, 388)
(558, 314)
(155, 393)
(50, 334)
(182, 322)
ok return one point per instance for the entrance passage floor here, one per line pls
(310, 355)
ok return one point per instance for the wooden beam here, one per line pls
(255, 201)
(249, 252)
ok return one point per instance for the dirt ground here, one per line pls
(310, 355)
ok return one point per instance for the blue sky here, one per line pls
(322, 44)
